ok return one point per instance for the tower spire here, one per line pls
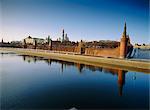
(63, 35)
(123, 43)
(2, 40)
(125, 30)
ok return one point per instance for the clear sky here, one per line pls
(81, 19)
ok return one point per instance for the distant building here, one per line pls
(30, 40)
(142, 46)
(59, 39)
(40, 40)
(15, 42)
(64, 37)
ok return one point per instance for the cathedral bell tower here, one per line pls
(63, 35)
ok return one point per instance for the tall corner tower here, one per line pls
(123, 43)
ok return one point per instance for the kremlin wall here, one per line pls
(107, 49)
(122, 49)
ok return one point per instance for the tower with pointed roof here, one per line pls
(123, 43)
(63, 35)
(2, 41)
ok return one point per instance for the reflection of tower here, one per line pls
(134, 77)
(50, 61)
(24, 58)
(2, 54)
(62, 67)
(80, 67)
(35, 59)
(121, 81)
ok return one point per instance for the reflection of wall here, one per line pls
(110, 70)
(29, 59)
(48, 61)
(79, 66)
(94, 68)
(32, 59)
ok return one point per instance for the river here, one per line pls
(37, 83)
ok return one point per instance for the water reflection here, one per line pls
(6, 53)
(120, 73)
(67, 84)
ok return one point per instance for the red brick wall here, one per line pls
(105, 52)
(67, 49)
(77, 49)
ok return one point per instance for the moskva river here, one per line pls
(36, 83)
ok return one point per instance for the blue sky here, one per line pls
(81, 19)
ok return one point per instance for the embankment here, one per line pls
(124, 64)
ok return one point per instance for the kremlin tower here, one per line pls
(63, 35)
(123, 43)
